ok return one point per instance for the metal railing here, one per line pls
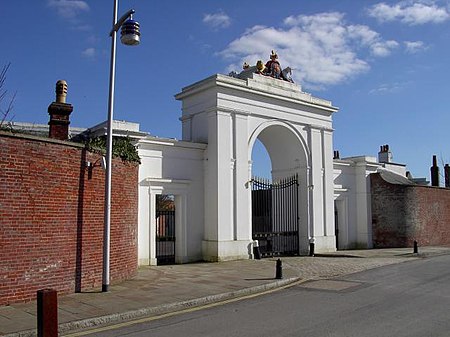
(165, 237)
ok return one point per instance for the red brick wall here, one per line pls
(404, 213)
(51, 218)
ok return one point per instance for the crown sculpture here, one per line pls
(271, 68)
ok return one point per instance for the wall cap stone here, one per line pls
(40, 139)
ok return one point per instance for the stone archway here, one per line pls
(229, 114)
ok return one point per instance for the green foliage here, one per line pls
(122, 148)
(6, 127)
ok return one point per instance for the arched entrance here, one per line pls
(279, 209)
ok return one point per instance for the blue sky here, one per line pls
(384, 64)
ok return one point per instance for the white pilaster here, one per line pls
(317, 182)
(152, 227)
(219, 220)
(363, 220)
(328, 183)
(242, 199)
(144, 226)
(186, 128)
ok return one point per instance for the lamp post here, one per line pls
(130, 35)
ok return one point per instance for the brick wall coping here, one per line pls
(412, 185)
(41, 139)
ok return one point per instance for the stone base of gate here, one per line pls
(304, 245)
(216, 251)
(325, 244)
(147, 262)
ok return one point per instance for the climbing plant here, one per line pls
(122, 148)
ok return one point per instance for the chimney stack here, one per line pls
(447, 175)
(434, 173)
(336, 155)
(385, 155)
(59, 112)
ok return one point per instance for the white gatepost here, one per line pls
(221, 241)
(322, 189)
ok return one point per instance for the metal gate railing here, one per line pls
(165, 237)
(275, 219)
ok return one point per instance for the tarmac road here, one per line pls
(409, 299)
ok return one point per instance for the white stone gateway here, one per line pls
(210, 170)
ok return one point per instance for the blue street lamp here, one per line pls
(130, 35)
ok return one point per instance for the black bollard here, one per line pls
(416, 248)
(279, 270)
(47, 313)
(256, 251)
(311, 249)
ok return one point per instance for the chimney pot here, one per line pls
(61, 91)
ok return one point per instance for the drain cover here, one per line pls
(333, 285)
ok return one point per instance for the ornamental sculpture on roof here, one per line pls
(271, 68)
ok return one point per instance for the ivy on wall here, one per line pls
(122, 148)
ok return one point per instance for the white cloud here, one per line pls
(217, 21)
(363, 33)
(70, 12)
(388, 88)
(412, 13)
(68, 9)
(413, 47)
(89, 52)
(82, 27)
(372, 40)
(383, 48)
(322, 48)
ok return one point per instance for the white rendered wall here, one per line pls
(353, 200)
(171, 167)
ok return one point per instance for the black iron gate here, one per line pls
(165, 237)
(275, 218)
